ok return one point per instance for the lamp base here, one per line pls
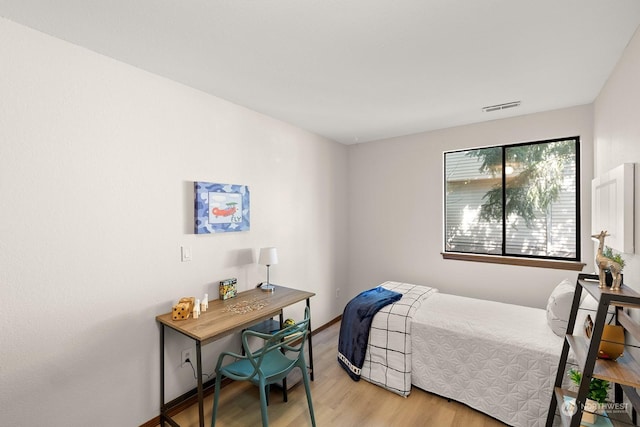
(267, 287)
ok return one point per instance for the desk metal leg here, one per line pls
(310, 343)
(285, 396)
(200, 390)
(163, 408)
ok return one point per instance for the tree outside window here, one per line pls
(515, 200)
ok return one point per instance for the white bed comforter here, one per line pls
(387, 360)
(498, 358)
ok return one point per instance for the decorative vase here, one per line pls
(612, 342)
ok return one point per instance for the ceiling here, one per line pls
(358, 70)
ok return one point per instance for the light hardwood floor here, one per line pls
(337, 401)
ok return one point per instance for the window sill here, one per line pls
(527, 262)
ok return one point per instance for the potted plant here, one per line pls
(613, 256)
(598, 392)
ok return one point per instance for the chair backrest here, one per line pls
(291, 338)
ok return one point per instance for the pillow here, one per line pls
(559, 307)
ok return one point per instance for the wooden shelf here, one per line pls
(632, 395)
(580, 347)
(629, 324)
(618, 419)
(559, 394)
(625, 370)
(625, 297)
(269, 326)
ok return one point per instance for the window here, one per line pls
(514, 200)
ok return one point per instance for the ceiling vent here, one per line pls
(504, 106)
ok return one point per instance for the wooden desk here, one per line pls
(221, 319)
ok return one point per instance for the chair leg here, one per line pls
(285, 398)
(267, 390)
(305, 380)
(263, 404)
(216, 397)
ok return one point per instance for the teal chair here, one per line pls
(268, 364)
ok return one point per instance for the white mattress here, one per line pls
(498, 358)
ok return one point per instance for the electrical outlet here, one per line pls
(186, 354)
(337, 293)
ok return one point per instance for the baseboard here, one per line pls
(209, 385)
(208, 389)
(326, 325)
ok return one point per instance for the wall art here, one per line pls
(221, 208)
(612, 202)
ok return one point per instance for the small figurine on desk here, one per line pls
(204, 305)
(605, 264)
(182, 310)
(196, 309)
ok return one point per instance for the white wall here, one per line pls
(617, 135)
(396, 193)
(617, 141)
(97, 160)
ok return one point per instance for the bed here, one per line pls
(500, 359)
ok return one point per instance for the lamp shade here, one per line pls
(268, 256)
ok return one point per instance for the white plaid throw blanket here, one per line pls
(387, 362)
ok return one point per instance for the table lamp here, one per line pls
(268, 257)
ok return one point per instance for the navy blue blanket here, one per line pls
(355, 326)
